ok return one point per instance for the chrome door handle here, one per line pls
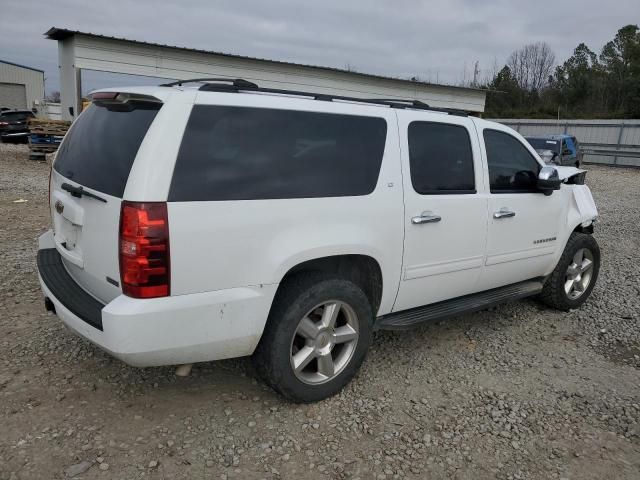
(504, 213)
(426, 217)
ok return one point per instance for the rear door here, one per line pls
(571, 147)
(577, 150)
(87, 185)
(445, 208)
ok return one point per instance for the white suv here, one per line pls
(201, 223)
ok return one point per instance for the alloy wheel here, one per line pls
(324, 342)
(579, 273)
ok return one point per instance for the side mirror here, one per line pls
(548, 180)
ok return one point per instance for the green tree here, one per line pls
(620, 59)
(584, 86)
(577, 83)
(503, 98)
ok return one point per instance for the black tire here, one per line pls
(296, 297)
(553, 293)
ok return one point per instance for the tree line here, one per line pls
(586, 85)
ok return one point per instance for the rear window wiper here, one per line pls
(79, 192)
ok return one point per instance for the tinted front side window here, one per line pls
(440, 158)
(238, 153)
(99, 150)
(511, 167)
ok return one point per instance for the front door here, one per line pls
(524, 224)
(445, 208)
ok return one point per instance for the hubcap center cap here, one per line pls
(323, 340)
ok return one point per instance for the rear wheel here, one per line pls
(574, 277)
(317, 336)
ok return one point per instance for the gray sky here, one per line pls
(434, 40)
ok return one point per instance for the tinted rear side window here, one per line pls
(100, 148)
(238, 153)
(440, 158)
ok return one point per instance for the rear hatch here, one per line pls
(88, 180)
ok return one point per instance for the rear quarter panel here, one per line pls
(224, 244)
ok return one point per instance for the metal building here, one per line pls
(20, 86)
(81, 50)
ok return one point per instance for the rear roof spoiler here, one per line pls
(124, 101)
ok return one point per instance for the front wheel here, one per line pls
(575, 275)
(317, 335)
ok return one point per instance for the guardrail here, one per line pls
(609, 142)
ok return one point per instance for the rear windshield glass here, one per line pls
(100, 148)
(544, 144)
(15, 116)
(238, 153)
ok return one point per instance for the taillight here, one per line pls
(144, 249)
(3, 124)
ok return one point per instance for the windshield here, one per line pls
(544, 144)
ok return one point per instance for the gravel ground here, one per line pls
(516, 392)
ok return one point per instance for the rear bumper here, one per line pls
(10, 133)
(62, 287)
(164, 331)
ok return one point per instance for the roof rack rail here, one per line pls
(400, 103)
(238, 85)
(234, 83)
(415, 103)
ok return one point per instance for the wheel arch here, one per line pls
(580, 228)
(580, 216)
(362, 269)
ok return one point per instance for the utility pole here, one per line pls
(476, 72)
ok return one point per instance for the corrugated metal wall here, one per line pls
(603, 141)
(33, 80)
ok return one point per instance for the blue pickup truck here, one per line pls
(560, 149)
